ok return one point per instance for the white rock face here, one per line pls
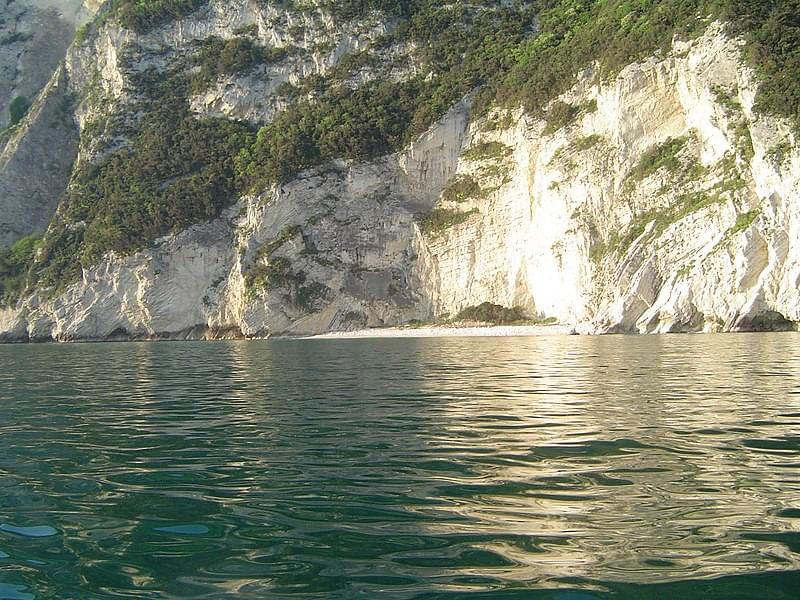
(315, 46)
(576, 224)
(718, 250)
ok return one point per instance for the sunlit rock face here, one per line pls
(578, 230)
(664, 204)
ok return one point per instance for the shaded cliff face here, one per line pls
(654, 201)
(34, 36)
(38, 148)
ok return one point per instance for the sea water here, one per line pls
(564, 468)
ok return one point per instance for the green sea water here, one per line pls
(563, 468)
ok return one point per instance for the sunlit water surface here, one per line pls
(568, 468)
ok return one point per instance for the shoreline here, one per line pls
(429, 331)
(227, 334)
(447, 331)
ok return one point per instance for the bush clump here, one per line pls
(463, 187)
(559, 115)
(662, 156)
(487, 151)
(219, 57)
(143, 15)
(492, 313)
(440, 220)
(18, 109)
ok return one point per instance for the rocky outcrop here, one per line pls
(662, 203)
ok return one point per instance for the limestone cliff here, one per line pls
(576, 232)
(655, 201)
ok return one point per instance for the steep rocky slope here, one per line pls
(657, 199)
(36, 154)
(34, 36)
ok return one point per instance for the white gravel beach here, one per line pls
(451, 331)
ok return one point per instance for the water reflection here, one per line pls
(629, 459)
(400, 468)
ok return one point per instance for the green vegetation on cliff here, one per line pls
(179, 169)
(664, 156)
(360, 124)
(142, 15)
(14, 261)
(219, 57)
(440, 220)
(573, 34)
(576, 34)
(18, 109)
(492, 313)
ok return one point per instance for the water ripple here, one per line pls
(547, 468)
